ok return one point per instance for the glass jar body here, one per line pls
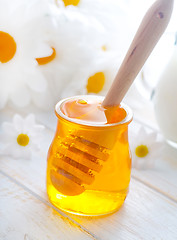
(77, 187)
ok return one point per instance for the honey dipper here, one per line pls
(80, 157)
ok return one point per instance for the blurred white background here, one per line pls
(88, 38)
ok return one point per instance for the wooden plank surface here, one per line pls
(23, 216)
(145, 215)
(150, 210)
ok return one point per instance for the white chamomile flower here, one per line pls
(85, 45)
(101, 74)
(96, 79)
(21, 137)
(73, 55)
(23, 36)
(112, 14)
(145, 148)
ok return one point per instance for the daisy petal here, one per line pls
(35, 145)
(18, 123)
(3, 99)
(44, 100)
(30, 119)
(36, 81)
(152, 136)
(29, 122)
(26, 153)
(142, 132)
(11, 150)
(8, 128)
(20, 97)
(37, 130)
(43, 51)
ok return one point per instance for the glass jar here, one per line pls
(89, 165)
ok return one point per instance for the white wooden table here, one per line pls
(149, 212)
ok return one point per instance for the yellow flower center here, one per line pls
(45, 60)
(104, 48)
(141, 151)
(95, 83)
(23, 139)
(71, 2)
(7, 47)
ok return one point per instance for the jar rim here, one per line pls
(60, 114)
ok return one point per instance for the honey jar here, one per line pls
(89, 160)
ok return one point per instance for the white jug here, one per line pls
(165, 100)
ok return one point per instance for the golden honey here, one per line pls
(89, 162)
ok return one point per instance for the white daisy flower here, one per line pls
(94, 79)
(145, 148)
(24, 31)
(111, 14)
(53, 48)
(86, 45)
(74, 53)
(21, 137)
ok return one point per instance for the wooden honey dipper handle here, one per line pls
(150, 30)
